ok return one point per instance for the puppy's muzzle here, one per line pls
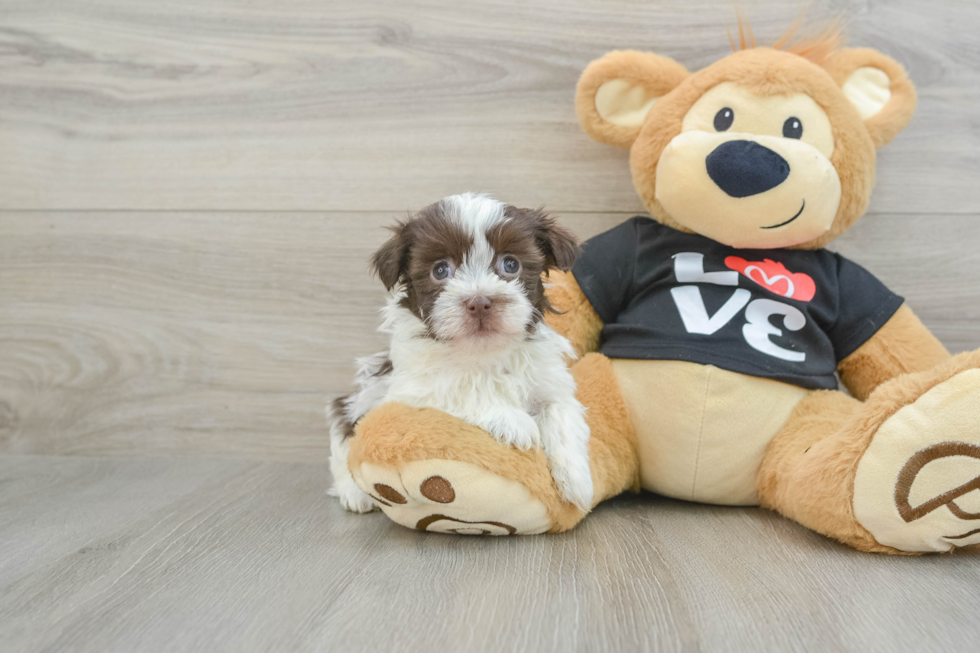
(478, 308)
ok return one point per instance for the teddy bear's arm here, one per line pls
(901, 346)
(575, 319)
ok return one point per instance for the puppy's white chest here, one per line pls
(467, 394)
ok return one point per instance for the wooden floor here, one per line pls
(188, 195)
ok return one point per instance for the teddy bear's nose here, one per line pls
(744, 168)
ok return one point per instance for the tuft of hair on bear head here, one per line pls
(816, 45)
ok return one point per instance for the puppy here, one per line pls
(464, 318)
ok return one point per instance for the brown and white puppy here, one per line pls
(464, 319)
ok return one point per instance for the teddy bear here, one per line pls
(711, 335)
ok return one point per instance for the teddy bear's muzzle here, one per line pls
(745, 168)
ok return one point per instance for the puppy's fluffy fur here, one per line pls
(466, 337)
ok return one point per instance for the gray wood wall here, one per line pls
(189, 190)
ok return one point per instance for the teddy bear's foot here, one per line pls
(429, 471)
(899, 473)
(917, 487)
(423, 495)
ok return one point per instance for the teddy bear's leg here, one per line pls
(899, 473)
(430, 471)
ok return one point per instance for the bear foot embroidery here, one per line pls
(446, 496)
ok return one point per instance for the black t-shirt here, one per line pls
(788, 315)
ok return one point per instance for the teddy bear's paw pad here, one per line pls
(917, 487)
(448, 496)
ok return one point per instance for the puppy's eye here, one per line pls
(510, 265)
(793, 128)
(442, 271)
(724, 119)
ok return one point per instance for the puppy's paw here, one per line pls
(352, 498)
(565, 435)
(514, 428)
(574, 480)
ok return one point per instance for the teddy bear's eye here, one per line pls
(793, 128)
(724, 119)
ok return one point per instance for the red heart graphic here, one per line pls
(775, 277)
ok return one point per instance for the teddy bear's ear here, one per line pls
(878, 87)
(616, 91)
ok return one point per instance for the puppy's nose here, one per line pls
(479, 307)
(744, 168)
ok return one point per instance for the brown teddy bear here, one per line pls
(710, 334)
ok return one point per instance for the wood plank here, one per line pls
(78, 503)
(379, 106)
(225, 334)
(257, 559)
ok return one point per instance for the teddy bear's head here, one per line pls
(766, 148)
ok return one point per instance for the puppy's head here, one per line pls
(471, 267)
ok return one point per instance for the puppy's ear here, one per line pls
(390, 262)
(558, 244)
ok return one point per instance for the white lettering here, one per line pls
(759, 328)
(694, 314)
(689, 268)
